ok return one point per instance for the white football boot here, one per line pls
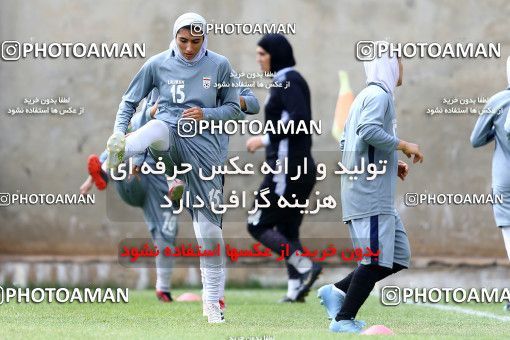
(115, 146)
(214, 312)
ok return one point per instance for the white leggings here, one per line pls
(212, 268)
(154, 134)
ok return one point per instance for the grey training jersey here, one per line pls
(147, 191)
(370, 134)
(180, 87)
(493, 125)
(490, 127)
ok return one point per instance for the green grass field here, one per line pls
(250, 313)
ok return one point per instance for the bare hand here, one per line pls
(242, 103)
(86, 186)
(411, 149)
(254, 143)
(193, 113)
(154, 109)
(403, 169)
(136, 172)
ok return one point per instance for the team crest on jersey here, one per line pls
(206, 81)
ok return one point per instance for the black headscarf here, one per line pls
(280, 50)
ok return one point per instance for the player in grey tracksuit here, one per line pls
(146, 192)
(494, 125)
(368, 205)
(186, 76)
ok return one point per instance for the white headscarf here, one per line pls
(186, 20)
(383, 70)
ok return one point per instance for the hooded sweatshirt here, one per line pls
(370, 137)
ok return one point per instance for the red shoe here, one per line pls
(164, 296)
(99, 177)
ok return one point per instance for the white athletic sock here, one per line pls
(154, 134)
(300, 263)
(223, 278)
(506, 237)
(292, 288)
(212, 268)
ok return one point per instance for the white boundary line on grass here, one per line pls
(456, 309)
(463, 310)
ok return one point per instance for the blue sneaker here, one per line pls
(332, 299)
(360, 323)
(344, 326)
